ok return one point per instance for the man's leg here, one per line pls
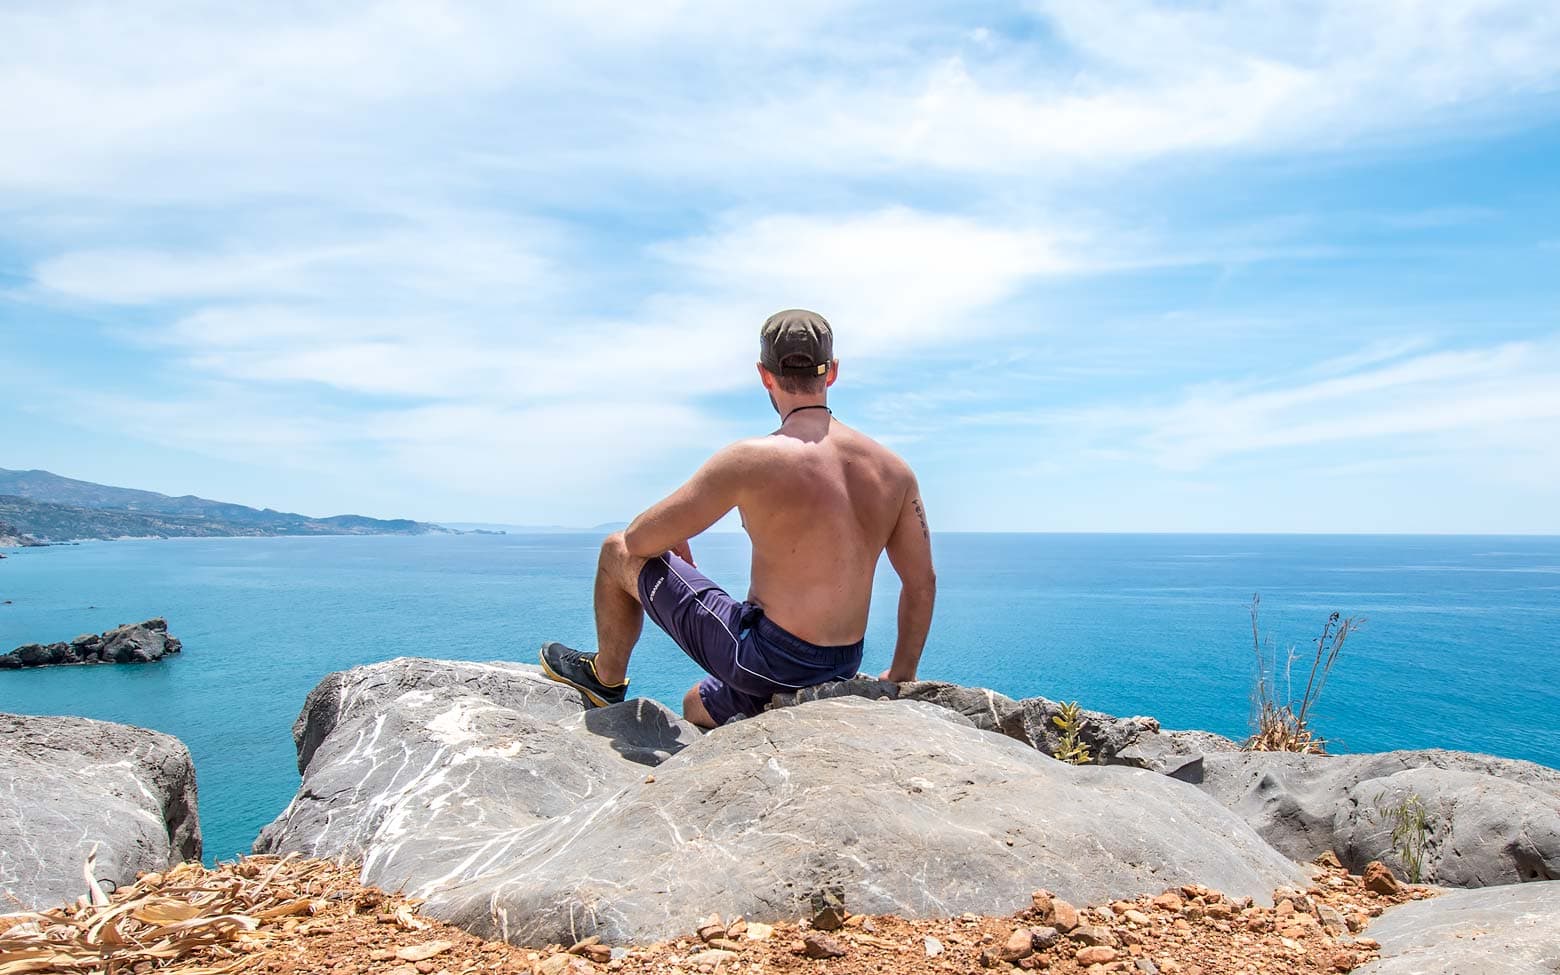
(619, 616)
(694, 710)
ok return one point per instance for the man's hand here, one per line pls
(899, 679)
(682, 551)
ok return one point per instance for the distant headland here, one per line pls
(37, 507)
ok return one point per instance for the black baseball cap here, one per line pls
(796, 342)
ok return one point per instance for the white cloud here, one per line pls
(1477, 395)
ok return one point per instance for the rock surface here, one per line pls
(1489, 820)
(136, 643)
(70, 784)
(487, 789)
(429, 770)
(1513, 930)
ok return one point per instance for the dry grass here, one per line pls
(1283, 724)
(190, 920)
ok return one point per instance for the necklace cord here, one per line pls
(812, 406)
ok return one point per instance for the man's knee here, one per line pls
(693, 709)
(618, 564)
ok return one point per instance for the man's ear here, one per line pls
(834, 373)
(766, 377)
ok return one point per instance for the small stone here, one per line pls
(1134, 916)
(1329, 860)
(426, 967)
(402, 970)
(1344, 961)
(1146, 966)
(1219, 910)
(381, 954)
(1357, 921)
(423, 951)
(736, 928)
(1378, 879)
(1168, 902)
(818, 945)
(1285, 908)
(1096, 955)
(1019, 945)
(711, 959)
(1369, 944)
(1040, 903)
(1331, 919)
(758, 931)
(1093, 934)
(1043, 938)
(600, 954)
(726, 944)
(1293, 931)
(829, 919)
(711, 927)
(933, 947)
(1064, 917)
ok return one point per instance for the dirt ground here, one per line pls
(271, 916)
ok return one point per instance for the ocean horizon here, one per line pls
(1457, 649)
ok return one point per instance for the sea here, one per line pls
(1458, 647)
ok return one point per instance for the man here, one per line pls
(820, 502)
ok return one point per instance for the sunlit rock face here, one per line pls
(72, 786)
(518, 814)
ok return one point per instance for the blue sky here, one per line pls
(1244, 266)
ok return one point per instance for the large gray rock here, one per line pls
(1028, 721)
(1497, 931)
(900, 809)
(1490, 820)
(70, 784)
(491, 792)
(425, 770)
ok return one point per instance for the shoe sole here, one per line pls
(554, 675)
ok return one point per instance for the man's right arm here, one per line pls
(910, 553)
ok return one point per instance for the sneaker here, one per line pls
(578, 670)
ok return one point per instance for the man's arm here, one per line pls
(910, 553)
(713, 490)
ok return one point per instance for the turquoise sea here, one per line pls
(1461, 648)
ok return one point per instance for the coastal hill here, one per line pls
(48, 507)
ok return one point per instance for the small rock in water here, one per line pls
(818, 945)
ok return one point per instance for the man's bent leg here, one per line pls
(693, 709)
(619, 616)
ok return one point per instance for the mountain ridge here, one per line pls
(49, 507)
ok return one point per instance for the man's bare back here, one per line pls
(821, 503)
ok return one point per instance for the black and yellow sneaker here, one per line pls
(578, 670)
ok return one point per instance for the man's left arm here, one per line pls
(713, 490)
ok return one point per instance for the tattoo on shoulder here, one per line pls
(921, 514)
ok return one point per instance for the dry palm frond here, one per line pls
(189, 921)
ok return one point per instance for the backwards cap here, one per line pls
(796, 342)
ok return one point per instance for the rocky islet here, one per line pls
(133, 643)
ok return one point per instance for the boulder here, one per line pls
(1512, 930)
(425, 769)
(494, 794)
(70, 784)
(1488, 820)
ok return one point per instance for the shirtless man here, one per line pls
(820, 502)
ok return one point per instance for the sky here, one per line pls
(1102, 266)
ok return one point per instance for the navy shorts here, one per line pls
(749, 659)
